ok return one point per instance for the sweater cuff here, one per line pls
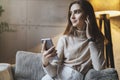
(50, 70)
(91, 40)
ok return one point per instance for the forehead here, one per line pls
(75, 7)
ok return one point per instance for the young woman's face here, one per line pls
(77, 17)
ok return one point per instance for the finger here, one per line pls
(51, 54)
(54, 53)
(86, 24)
(51, 49)
(48, 56)
(87, 18)
(43, 46)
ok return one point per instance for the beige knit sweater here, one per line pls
(79, 54)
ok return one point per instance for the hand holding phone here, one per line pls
(48, 43)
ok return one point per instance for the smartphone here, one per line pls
(48, 44)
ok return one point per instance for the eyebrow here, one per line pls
(76, 10)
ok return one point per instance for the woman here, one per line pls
(79, 49)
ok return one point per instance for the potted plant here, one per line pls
(4, 27)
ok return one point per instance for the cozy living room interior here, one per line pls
(23, 23)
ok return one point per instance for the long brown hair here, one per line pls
(88, 10)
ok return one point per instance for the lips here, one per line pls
(74, 21)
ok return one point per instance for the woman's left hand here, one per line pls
(88, 28)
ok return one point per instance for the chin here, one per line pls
(74, 25)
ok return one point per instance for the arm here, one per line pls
(97, 55)
(46, 57)
(51, 69)
(96, 48)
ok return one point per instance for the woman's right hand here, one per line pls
(47, 54)
(88, 28)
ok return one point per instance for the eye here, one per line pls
(77, 11)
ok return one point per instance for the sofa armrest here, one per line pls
(5, 71)
(28, 66)
(105, 74)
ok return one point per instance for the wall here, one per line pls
(31, 20)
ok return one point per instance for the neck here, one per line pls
(79, 33)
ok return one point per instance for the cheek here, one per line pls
(79, 17)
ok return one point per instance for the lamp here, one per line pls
(104, 10)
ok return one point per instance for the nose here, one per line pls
(72, 16)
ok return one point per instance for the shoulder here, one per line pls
(63, 37)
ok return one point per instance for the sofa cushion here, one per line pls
(106, 74)
(28, 66)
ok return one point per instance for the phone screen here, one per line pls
(48, 44)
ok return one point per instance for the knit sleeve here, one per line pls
(60, 49)
(51, 69)
(97, 55)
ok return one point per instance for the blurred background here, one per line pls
(27, 21)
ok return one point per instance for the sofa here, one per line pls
(28, 67)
